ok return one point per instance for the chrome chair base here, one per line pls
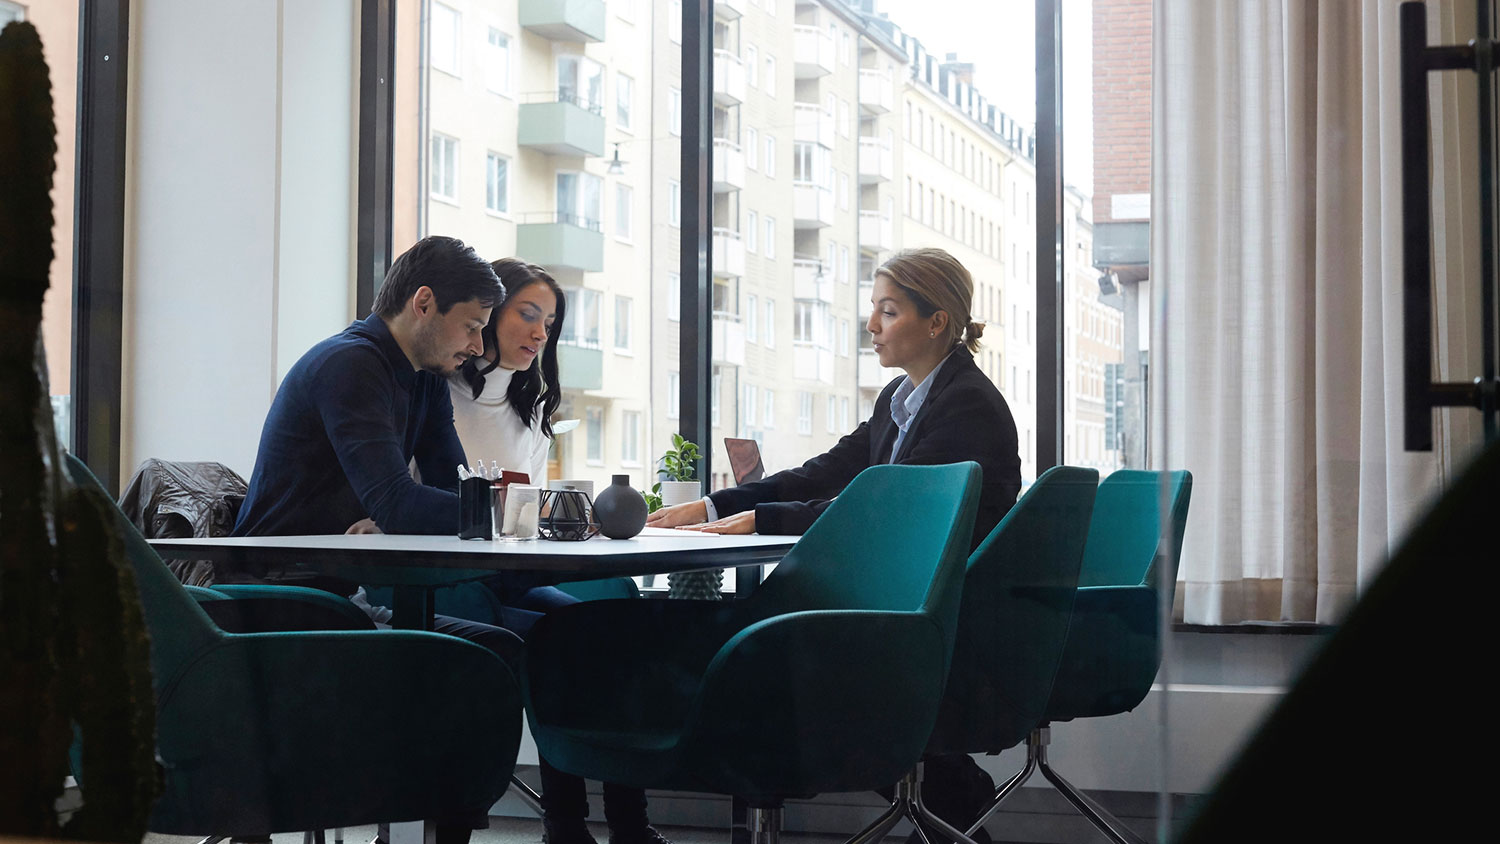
(528, 795)
(1036, 759)
(908, 805)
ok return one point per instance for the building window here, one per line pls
(828, 422)
(580, 81)
(752, 309)
(770, 86)
(844, 192)
(674, 296)
(770, 408)
(624, 9)
(770, 327)
(580, 200)
(747, 407)
(842, 120)
(623, 313)
(581, 328)
(844, 264)
(843, 413)
(595, 417)
(844, 337)
(497, 62)
(674, 203)
(752, 148)
(752, 66)
(770, 157)
(752, 228)
(624, 196)
(624, 99)
(770, 244)
(674, 395)
(674, 111)
(444, 168)
(674, 21)
(496, 183)
(443, 38)
(630, 438)
(804, 412)
(715, 389)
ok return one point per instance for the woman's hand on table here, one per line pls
(363, 526)
(691, 513)
(738, 523)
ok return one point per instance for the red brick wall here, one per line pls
(1122, 101)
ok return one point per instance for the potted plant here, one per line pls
(680, 466)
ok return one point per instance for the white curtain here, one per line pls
(1276, 269)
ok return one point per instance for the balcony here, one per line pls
(812, 206)
(580, 367)
(812, 362)
(561, 241)
(564, 127)
(564, 20)
(729, 254)
(728, 339)
(876, 93)
(729, 10)
(876, 232)
(729, 79)
(877, 163)
(810, 280)
(862, 301)
(813, 48)
(729, 166)
(812, 124)
(871, 374)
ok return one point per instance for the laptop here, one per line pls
(744, 460)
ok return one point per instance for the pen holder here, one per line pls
(474, 509)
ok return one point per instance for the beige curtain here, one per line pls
(1276, 276)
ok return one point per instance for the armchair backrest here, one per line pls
(1013, 620)
(1125, 545)
(895, 539)
(179, 630)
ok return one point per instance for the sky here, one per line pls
(999, 37)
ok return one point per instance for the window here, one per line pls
(674, 203)
(624, 196)
(842, 113)
(444, 168)
(752, 66)
(580, 200)
(844, 337)
(844, 264)
(771, 8)
(770, 328)
(770, 245)
(715, 390)
(846, 48)
(497, 62)
(770, 408)
(770, 86)
(804, 412)
(595, 417)
(443, 38)
(674, 296)
(623, 314)
(581, 328)
(747, 407)
(674, 111)
(829, 417)
(770, 157)
(752, 148)
(630, 437)
(674, 395)
(752, 227)
(843, 413)
(580, 81)
(496, 183)
(752, 309)
(624, 99)
(844, 192)
(624, 9)
(674, 21)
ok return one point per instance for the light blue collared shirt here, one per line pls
(907, 400)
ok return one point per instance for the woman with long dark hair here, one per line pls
(503, 403)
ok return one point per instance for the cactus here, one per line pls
(73, 648)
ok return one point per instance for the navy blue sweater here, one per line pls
(346, 422)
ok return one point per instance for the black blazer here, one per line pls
(963, 418)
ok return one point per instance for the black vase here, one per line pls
(620, 510)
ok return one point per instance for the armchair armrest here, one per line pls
(266, 608)
(1112, 653)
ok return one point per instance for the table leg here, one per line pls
(739, 812)
(746, 578)
(413, 608)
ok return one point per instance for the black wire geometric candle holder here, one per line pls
(569, 515)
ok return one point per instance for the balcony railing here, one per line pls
(729, 78)
(812, 124)
(554, 240)
(862, 301)
(871, 374)
(729, 10)
(564, 20)
(811, 281)
(729, 254)
(728, 339)
(877, 163)
(812, 206)
(580, 365)
(876, 93)
(729, 166)
(813, 48)
(562, 125)
(876, 231)
(812, 362)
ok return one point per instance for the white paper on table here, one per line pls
(674, 532)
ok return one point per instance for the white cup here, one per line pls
(522, 512)
(680, 492)
(585, 487)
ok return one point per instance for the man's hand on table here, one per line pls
(363, 526)
(738, 523)
(691, 513)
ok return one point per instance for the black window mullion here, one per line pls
(377, 60)
(696, 325)
(1049, 233)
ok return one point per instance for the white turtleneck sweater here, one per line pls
(491, 431)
